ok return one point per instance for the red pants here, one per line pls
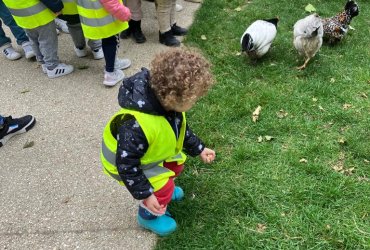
(164, 194)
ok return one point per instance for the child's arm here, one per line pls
(132, 145)
(193, 146)
(54, 6)
(117, 10)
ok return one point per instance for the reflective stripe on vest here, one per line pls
(29, 11)
(150, 170)
(96, 22)
(29, 14)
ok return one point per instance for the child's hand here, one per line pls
(208, 155)
(153, 205)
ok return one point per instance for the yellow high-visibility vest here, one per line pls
(70, 7)
(162, 142)
(29, 14)
(96, 22)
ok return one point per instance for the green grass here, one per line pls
(302, 205)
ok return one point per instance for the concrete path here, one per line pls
(54, 195)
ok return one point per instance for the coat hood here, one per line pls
(136, 94)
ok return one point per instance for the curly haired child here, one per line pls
(144, 144)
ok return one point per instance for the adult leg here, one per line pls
(3, 38)
(164, 10)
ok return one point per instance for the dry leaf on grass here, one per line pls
(332, 80)
(269, 138)
(347, 106)
(238, 9)
(261, 228)
(256, 113)
(303, 160)
(238, 53)
(314, 99)
(281, 114)
(259, 139)
(364, 95)
(203, 37)
(342, 141)
(310, 8)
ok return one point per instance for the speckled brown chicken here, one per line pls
(336, 27)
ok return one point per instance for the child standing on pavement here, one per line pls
(105, 19)
(37, 18)
(143, 143)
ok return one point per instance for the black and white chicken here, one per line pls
(258, 37)
(308, 35)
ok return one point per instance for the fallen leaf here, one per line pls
(192, 196)
(314, 99)
(29, 144)
(238, 9)
(256, 113)
(259, 139)
(303, 160)
(81, 67)
(321, 108)
(269, 138)
(342, 141)
(25, 91)
(363, 178)
(238, 53)
(328, 227)
(261, 228)
(203, 37)
(332, 80)
(363, 95)
(347, 106)
(309, 8)
(351, 28)
(281, 114)
(366, 161)
(272, 64)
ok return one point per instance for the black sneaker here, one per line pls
(16, 126)
(168, 39)
(178, 31)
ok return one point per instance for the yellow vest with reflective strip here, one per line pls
(29, 14)
(162, 142)
(70, 7)
(96, 22)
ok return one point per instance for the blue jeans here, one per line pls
(8, 20)
(1, 122)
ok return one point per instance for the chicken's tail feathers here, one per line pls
(274, 20)
(247, 42)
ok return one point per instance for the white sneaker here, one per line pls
(61, 25)
(112, 78)
(28, 51)
(179, 7)
(80, 52)
(60, 70)
(10, 53)
(98, 53)
(44, 69)
(122, 63)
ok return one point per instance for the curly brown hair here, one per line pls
(180, 76)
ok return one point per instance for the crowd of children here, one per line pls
(35, 25)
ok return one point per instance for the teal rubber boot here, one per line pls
(178, 194)
(161, 225)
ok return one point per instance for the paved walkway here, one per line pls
(54, 195)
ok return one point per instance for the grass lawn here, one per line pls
(307, 187)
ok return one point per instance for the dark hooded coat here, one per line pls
(136, 94)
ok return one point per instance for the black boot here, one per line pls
(136, 31)
(168, 39)
(178, 31)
